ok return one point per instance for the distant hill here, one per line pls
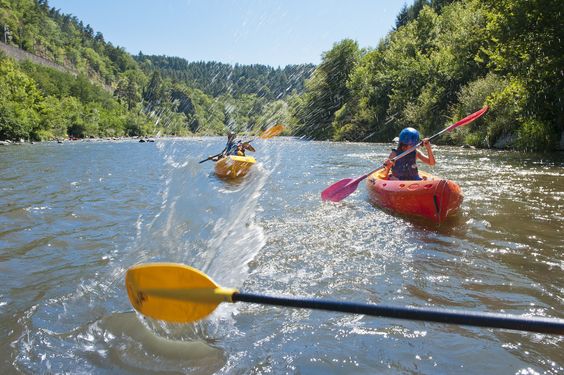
(215, 78)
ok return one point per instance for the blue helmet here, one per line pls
(409, 136)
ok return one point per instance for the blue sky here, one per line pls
(268, 32)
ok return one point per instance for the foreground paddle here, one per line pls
(342, 189)
(267, 134)
(182, 294)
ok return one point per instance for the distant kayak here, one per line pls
(432, 198)
(232, 166)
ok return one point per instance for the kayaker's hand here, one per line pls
(426, 142)
(389, 163)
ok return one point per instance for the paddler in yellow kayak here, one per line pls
(230, 147)
(233, 148)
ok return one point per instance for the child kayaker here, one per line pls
(406, 167)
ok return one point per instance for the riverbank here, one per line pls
(145, 139)
(73, 140)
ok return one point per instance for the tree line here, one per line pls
(443, 60)
(446, 59)
(216, 79)
(115, 94)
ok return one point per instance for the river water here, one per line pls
(75, 216)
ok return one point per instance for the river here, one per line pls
(75, 216)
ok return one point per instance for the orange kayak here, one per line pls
(231, 167)
(432, 197)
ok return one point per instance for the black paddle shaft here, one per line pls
(469, 318)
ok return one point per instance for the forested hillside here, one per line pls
(446, 59)
(38, 103)
(216, 79)
(110, 95)
(249, 96)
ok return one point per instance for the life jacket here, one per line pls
(406, 167)
(240, 152)
(231, 148)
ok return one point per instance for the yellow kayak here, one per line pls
(234, 166)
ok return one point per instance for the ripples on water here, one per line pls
(75, 216)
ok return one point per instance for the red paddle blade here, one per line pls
(468, 119)
(341, 189)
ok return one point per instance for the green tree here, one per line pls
(414, 75)
(20, 101)
(130, 87)
(525, 44)
(327, 90)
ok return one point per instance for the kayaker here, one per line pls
(233, 148)
(406, 167)
(230, 147)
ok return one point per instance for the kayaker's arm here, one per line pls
(213, 157)
(222, 154)
(426, 159)
(389, 163)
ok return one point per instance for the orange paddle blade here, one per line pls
(272, 132)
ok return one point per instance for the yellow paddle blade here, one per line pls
(272, 132)
(173, 292)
